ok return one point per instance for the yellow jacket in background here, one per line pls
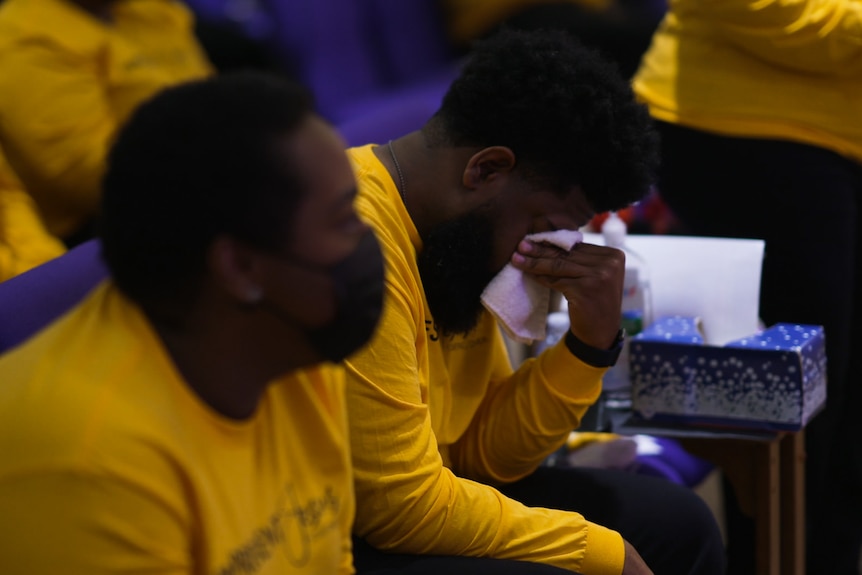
(68, 80)
(782, 69)
(24, 241)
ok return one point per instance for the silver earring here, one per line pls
(254, 294)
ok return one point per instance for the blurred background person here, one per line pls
(759, 105)
(71, 72)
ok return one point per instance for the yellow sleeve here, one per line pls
(547, 397)
(812, 36)
(64, 93)
(85, 524)
(56, 126)
(24, 242)
(409, 502)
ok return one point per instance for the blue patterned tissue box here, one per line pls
(772, 380)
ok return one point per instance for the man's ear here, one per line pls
(235, 267)
(488, 166)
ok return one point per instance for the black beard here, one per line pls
(454, 265)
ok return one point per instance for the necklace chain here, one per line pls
(400, 174)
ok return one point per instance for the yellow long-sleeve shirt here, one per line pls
(426, 413)
(785, 69)
(68, 80)
(111, 464)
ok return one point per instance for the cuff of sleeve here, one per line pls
(569, 375)
(560, 359)
(605, 554)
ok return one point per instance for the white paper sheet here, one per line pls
(716, 279)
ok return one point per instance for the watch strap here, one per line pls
(592, 355)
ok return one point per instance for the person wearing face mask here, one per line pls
(536, 135)
(187, 416)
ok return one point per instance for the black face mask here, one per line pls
(358, 282)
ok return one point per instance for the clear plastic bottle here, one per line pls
(558, 325)
(636, 304)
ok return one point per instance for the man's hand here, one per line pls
(590, 277)
(634, 564)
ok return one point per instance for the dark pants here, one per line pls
(806, 203)
(370, 561)
(669, 525)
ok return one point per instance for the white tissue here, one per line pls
(518, 301)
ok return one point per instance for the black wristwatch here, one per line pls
(592, 355)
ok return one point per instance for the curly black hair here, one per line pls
(196, 161)
(566, 112)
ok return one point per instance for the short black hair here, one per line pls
(196, 161)
(566, 112)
